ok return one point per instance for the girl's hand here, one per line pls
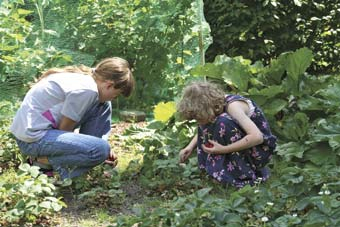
(112, 160)
(213, 147)
(184, 154)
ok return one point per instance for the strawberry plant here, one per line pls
(9, 154)
(27, 196)
(303, 187)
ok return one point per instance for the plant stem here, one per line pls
(38, 5)
(201, 38)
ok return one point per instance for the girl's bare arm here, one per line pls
(67, 124)
(238, 110)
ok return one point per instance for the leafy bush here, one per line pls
(101, 187)
(9, 152)
(262, 30)
(160, 144)
(22, 56)
(303, 189)
(26, 196)
(259, 206)
(158, 38)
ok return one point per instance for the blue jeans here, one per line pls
(72, 154)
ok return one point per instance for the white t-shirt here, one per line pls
(57, 95)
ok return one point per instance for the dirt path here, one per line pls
(78, 214)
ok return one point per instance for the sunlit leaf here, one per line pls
(45, 204)
(179, 60)
(163, 111)
(24, 12)
(188, 52)
(56, 207)
(209, 70)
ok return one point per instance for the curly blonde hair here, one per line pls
(201, 101)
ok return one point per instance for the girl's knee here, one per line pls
(102, 150)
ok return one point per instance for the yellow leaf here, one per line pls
(163, 111)
(24, 12)
(188, 52)
(179, 60)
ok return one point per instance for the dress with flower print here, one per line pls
(237, 168)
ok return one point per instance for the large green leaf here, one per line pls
(233, 220)
(298, 62)
(275, 71)
(310, 103)
(268, 92)
(331, 94)
(316, 219)
(272, 107)
(290, 150)
(320, 155)
(236, 75)
(295, 127)
(209, 70)
(328, 130)
(288, 220)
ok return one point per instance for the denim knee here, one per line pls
(102, 150)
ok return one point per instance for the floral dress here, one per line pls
(237, 168)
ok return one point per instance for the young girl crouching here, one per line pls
(234, 141)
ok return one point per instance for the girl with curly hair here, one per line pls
(234, 140)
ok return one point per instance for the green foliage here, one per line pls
(160, 144)
(100, 188)
(26, 196)
(262, 30)
(21, 56)
(9, 152)
(305, 176)
(14, 30)
(245, 207)
(158, 38)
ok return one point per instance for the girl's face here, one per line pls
(107, 92)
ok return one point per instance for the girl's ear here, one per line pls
(110, 84)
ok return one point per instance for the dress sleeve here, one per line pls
(232, 98)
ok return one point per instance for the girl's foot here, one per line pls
(41, 162)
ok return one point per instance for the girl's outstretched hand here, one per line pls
(184, 154)
(213, 147)
(112, 160)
